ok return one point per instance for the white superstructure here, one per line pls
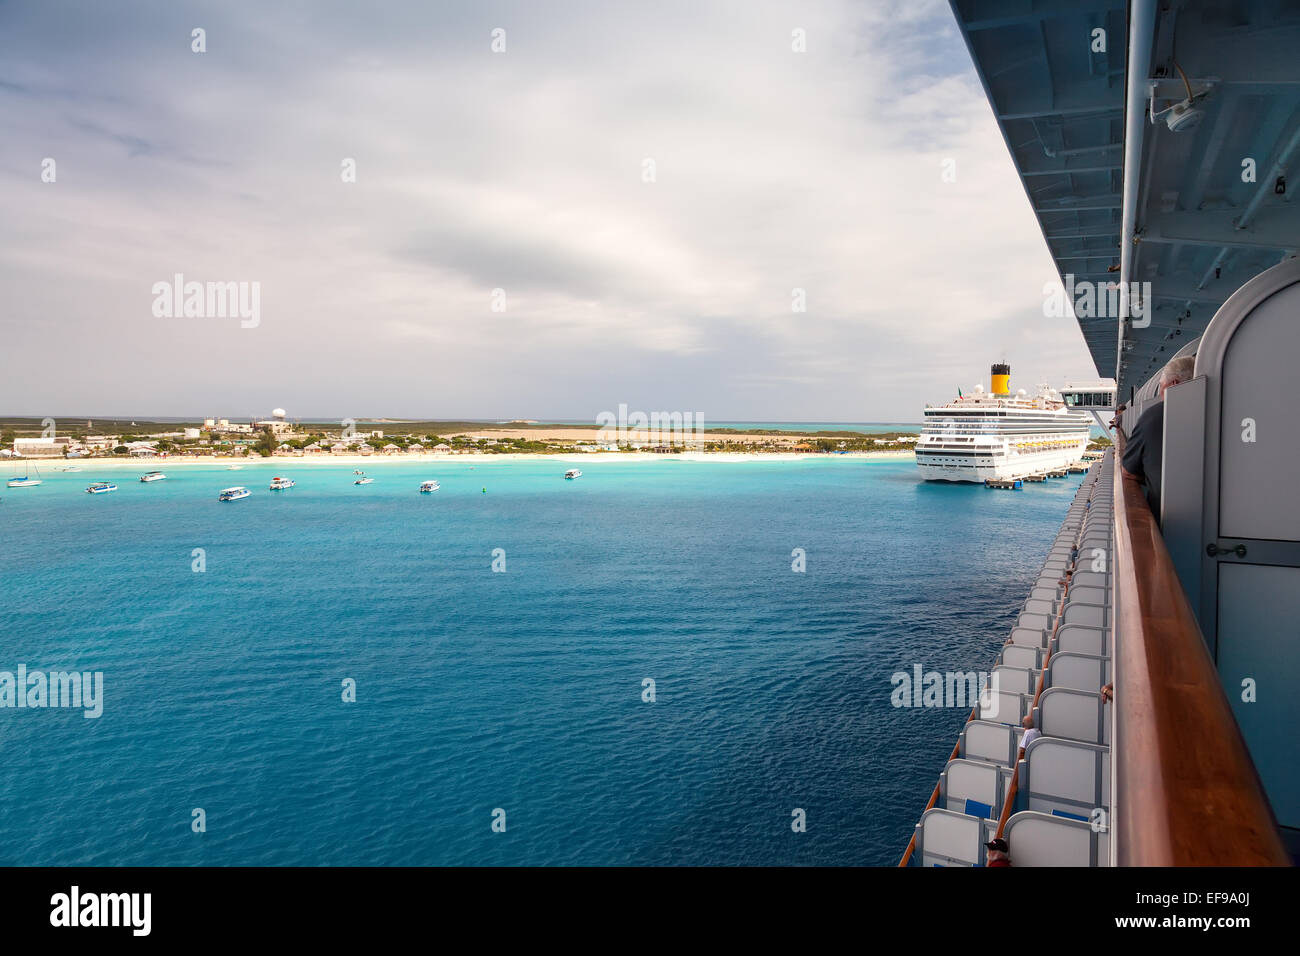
(999, 435)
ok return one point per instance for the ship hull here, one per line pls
(960, 468)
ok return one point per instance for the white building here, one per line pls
(278, 423)
(41, 447)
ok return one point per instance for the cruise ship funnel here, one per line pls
(1001, 378)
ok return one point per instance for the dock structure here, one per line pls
(1057, 473)
(1010, 484)
(1039, 476)
(1078, 468)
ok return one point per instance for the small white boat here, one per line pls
(233, 494)
(70, 468)
(26, 479)
(357, 471)
(101, 488)
(152, 476)
(571, 474)
(279, 484)
(427, 487)
(363, 481)
(234, 468)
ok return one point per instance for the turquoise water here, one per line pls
(479, 690)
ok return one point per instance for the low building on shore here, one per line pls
(41, 447)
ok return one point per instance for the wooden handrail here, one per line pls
(1187, 793)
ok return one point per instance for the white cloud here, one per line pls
(521, 171)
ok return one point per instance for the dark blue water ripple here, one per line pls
(519, 690)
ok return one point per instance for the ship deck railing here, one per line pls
(1062, 801)
(1053, 683)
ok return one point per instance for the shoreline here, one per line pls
(285, 463)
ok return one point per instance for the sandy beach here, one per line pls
(591, 433)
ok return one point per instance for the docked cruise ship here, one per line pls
(996, 434)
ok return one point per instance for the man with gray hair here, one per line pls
(1142, 454)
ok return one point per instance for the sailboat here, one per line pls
(26, 480)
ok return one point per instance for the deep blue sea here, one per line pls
(479, 690)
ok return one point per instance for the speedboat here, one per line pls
(152, 476)
(279, 484)
(571, 474)
(357, 471)
(233, 494)
(101, 488)
(234, 468)
(427, 487)
(70, 468)
(363, 481)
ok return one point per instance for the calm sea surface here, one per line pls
(479, 690)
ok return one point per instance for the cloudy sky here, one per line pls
(524, 171)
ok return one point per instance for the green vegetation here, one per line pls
(485, 437)
(266, 443)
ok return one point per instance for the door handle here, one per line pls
(1213, 549)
